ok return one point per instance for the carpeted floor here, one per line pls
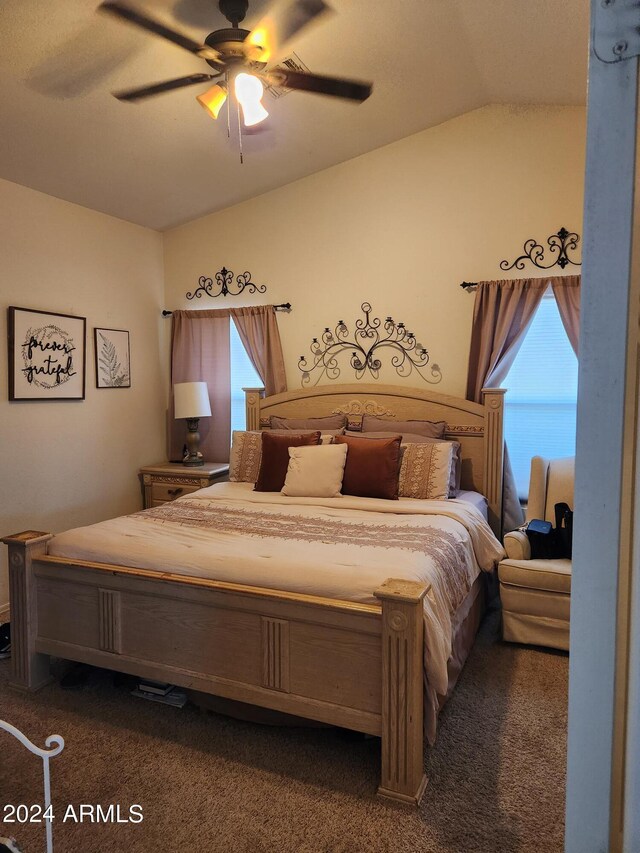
(211, 783)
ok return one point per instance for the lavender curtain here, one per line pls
(200, 353)
(258, 330)
(502, 314)
(566, 289)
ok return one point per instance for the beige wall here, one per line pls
(65, 464)
(400, 227)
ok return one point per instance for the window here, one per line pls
(243, 375)
(542, 390)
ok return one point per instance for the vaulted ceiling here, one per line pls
(165, 161)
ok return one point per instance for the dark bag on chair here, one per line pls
(547, 542)
(564, 528)
(542, 539)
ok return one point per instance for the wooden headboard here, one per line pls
(478, 427)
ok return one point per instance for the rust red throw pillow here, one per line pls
(275, 458)
(373, 466)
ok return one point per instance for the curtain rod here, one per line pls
(284, 306)
(470, 285)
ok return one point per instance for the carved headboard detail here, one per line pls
(357, 407)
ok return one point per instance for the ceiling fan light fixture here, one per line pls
(249, 91)
(256, 45)
(230, 49)
(213, 99)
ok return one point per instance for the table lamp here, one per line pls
(191, 401)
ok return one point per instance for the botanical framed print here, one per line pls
(46, 355)
(112, 358)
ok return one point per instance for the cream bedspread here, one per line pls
(342, 548)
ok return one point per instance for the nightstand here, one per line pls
(170, 480)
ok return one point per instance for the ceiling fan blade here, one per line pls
(338, 87)
(127, 13)
(76, 66)
(158, 88)
(284, 20)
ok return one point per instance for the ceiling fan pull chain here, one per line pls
(226, 78)
(240, 132)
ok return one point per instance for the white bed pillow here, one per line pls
(315, 472)
(425, 470)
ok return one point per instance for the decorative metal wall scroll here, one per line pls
(370, 337)
(224, 284)
(559, 245)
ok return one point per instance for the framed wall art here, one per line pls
(46, 355)
(112, 358)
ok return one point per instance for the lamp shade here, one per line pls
(249, 91)
(191, 400)
(213, 99)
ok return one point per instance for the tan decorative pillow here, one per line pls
(425, 470)
(246, 452)
(430, 429)
(298, 424)
(315, 472)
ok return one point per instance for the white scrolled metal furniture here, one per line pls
(55, 745)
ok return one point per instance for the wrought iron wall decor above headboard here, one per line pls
(224, 281)
(370, 336)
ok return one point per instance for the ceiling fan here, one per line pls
(239, 57)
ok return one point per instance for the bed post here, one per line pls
(29, 669)
(252, 397)
(403, 775)
(493, 399)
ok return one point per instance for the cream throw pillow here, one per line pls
(425, 470)
(315, 472)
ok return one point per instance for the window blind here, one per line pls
(542, 390)
(243, 375)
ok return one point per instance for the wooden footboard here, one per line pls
(348, 664)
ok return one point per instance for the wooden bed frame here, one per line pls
(354, 665)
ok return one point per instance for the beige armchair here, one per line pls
(536, 594)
